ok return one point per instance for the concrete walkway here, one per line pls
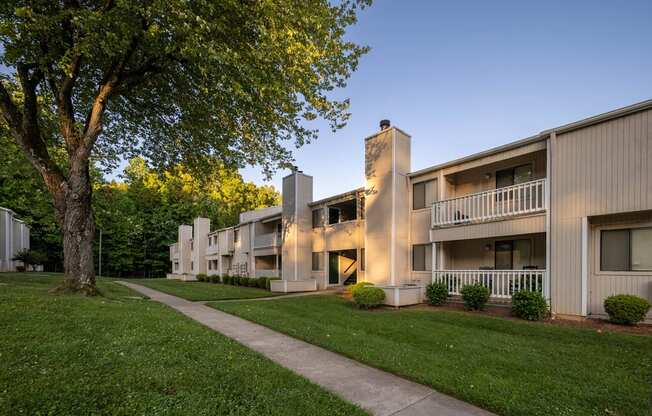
(376, 391)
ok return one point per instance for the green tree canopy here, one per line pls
(174, 81)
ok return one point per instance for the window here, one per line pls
(192, 265)
(513, 254)
(626, 250)
(236, 235)
(317, 261)
(210, 266)
(424, 194)
(362, 259)
(422, 257)
(514, 176)
(316, 218)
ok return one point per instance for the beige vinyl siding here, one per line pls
(604, 283)
(514, 226)
(597, 170)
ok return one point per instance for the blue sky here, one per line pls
(463, 76)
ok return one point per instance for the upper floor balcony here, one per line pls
(267, 240)
(495, 204)
(174, 251)
(213, 245)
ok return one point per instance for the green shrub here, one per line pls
(262, 282)
(352, 288)
(253, 282)
(474, 296)
(529, 305)
(243, 281)
(367, 297)
(215, 278)
(626, 309)
(201, 277)
(437, 293)
(225, 279)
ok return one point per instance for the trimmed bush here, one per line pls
(262, 282)
(474, 296)
(437, 293)
(352, 288)
(253, 282)
(201, 277)
(626, 309)
(367, 297)
(243, 281)
(529, 305)
(215, 278)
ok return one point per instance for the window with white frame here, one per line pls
(424, 194)
(422, 257)
(626, 250)
(317, 261)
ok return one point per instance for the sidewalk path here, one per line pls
(378, 392)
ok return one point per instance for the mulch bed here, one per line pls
(504, 311)
(597, 324)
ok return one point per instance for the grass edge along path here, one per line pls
(117, 355)
(505, 366)
(202, 291)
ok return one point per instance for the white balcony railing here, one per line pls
(174, 250)
(268, 273)
(267, 240)
(524, 198)
(501, 283)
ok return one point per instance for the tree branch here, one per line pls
(9, 110)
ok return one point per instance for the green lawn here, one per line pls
(201, 290)
(509, 367)
(118, 355)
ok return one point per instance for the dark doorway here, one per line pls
(333, 268)
(343, 265)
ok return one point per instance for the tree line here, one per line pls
(138, 214)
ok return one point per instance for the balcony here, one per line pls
(268, 273)
(510, 201)
(501, 283)
(267, 240)
(174, 251)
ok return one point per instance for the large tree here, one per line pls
(172, 80)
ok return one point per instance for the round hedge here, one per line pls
(626, 309)
(367, 297)
(529, 305)
(201, 277)
(437, 293)
(474, 296)
(352, 288)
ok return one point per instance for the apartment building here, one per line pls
(14, 237)
(567, 212)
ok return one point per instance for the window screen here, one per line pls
(316, 218)
(424, 194)
(362, 259)
(422, 257)
(419, 195)
(614, 250)
(642, 249)
(317, 262)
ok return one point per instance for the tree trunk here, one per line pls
(78, 231)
